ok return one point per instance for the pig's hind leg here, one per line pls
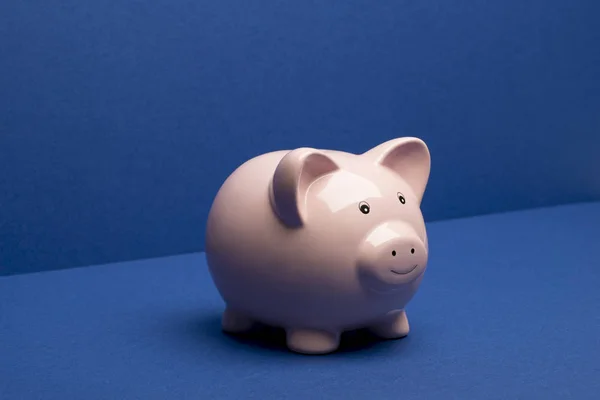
(235, 322)
(393, 326)
(311, 341)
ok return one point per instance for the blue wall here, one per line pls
(120, 119)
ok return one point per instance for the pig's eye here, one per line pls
(401, 198)
(364, 207)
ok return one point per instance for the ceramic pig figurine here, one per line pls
(319, 242)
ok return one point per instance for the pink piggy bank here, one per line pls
(319, 242)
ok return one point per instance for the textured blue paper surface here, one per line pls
(120, 119)
(508, 310)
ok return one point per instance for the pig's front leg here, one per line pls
(393, 326)
(309, 341)
(235, 322)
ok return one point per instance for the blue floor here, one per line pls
(509, 309)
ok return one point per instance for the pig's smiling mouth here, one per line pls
(407, 272)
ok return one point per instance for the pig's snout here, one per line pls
(392, 254)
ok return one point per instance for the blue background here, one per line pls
(120, 119)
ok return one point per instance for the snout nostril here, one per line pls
(412, 251)
(394, 253)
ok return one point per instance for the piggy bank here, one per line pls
(318, 242)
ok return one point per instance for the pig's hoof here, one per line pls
(393, 326)
(308, 341)
(234, 322)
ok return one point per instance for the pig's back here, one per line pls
(241, 221)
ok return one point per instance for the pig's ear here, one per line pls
(408, 157)
(293, 176)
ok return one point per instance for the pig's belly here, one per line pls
(334, 311)
(285, 295)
